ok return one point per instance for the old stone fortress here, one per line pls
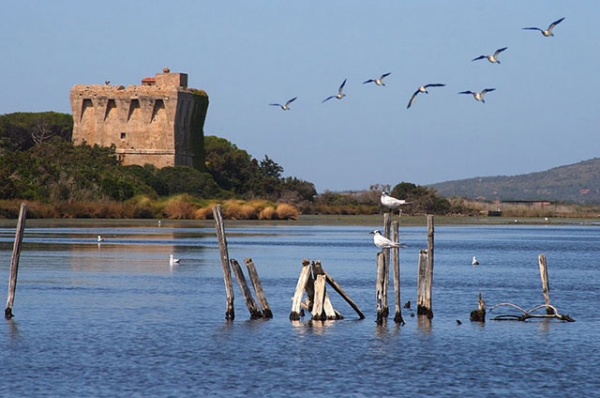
(159, 122)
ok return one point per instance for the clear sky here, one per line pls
(544, 113)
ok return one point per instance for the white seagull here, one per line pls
(547, 32)
(478, 96)
(422, 89)
(173, 261)
(382, 242)
(492, 58)
(285, 107)
(100, 239)
(474, 261)
(391, 202)
(379, 81)
(340, 93)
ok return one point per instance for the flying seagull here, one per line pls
(547, 32)
(285, 107)
(422, 89)
(379, 81)
(492, 58)
(340, 93)
(478, 96)
(391, 202)
(382, 242)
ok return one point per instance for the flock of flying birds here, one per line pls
(423, 89)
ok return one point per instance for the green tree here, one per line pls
(232, 168)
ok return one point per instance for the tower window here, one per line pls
(123, 135)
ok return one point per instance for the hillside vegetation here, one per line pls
(577, 183)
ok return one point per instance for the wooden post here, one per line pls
(478, 315)
(545, 283)
(379, 287)
(342, 293)
(424, 306)
(421, 272)
(241, 279)
(300, 286)
(328, 312)
(387, 224)
(318, 311)
(260, 293)
(396, 265)
(229, 309)
(14, 262)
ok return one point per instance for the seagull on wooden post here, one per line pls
(340, 93)
(492, 58)
(391, 202)
(478, 96)
(286, 106)
(379, 81)
(384, 243)
(547, 32)
(422, 89)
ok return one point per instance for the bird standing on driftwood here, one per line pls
(391, 202)
(382, 242)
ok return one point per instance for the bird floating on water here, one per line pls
(100, 238)
(285, 107)
(379, 81)
(478, 96)
(391, 202)
(384, 243)
(172, 260)
(422, 89)
(340, 93)
(492, 58)
(474, 261)
(547, 32)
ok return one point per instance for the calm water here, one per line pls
(115, 320)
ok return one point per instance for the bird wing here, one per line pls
(384, 75)
(412, 99)
(328, 98)
(480, 57)
(498, 51)
(368, 81)
(275, 104)
(466, 92)
(290, 101)
(342, 86)
(533, 28)
(553, 24)
(487, 90)
(434, 85)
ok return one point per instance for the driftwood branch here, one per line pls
(551, 312)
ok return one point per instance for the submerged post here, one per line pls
(545, 283)
(241, 279)
(379, 287)
(387, 225)
(425, 282)
(229, 310)
(14, 262)
(396, 265)
(260, 293)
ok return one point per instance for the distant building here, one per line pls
(159, 122)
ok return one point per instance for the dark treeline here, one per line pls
(39, 162)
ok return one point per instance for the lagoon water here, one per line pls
(116, 320)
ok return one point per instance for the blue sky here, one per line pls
(246, 55)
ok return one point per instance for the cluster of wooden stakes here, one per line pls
(313, 280)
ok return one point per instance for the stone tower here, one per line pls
(158, 122)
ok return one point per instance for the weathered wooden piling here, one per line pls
(396, 265)
(258, 289)
(425, 281)
(14, 262)
(336, 286)
(545, 284)
(387, 225)
(379, 287)
(300, 287)
(229, 309)
(326, 311)
(478, 315)
(255, 313)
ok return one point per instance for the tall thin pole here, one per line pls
(14, 262)
(229, 310)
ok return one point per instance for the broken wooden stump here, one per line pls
(379, 291)
(396, 266)
(545, 284)
(255, 313)
(260, 293)
(14, 262)
(218, 216)
(478, 315)
(299, 292)
(425, 274)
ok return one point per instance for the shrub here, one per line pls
(285, 211)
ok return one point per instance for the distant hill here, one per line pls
(575, 183)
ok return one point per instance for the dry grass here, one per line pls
(179, 207)
(286, 211)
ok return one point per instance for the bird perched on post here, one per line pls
(547, 32)
(478, 96)
(391, 202)
(340, 93)
(379, 81)
(492, 58)
(285, 107)
(384, 243)
(422, 89)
